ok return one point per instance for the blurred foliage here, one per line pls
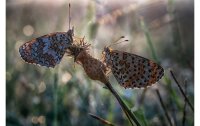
(65, 95)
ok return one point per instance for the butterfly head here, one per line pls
(70, 32)
(107, 55)
(106, 51)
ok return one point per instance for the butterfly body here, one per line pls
(47, 50)
(131, 70)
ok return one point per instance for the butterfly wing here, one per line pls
(131, 70)
(46, 50)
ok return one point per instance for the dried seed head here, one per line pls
(94, 68)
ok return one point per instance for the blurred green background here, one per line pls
(162, 30)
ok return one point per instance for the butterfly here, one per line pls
(131, 70)
(47, 50)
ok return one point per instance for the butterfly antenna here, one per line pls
(118, 41)
(69, 15)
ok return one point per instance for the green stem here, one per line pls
(123, 105)
(55, 100)
(149, 41)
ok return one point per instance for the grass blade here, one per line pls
(182, 92)
(163, 106)
(101, 119)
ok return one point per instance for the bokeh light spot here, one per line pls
(66, 77)
(41, 119)
(34, 120)
(28, 30)
(42, 87)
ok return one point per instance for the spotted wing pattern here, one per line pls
(131, 70)
(47, 50)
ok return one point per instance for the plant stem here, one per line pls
(163, 106)
(182, 92)
(55, 99)
(123, 105)
(185, 105)
(149, 41)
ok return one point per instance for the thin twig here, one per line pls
(163, 106)
(141, 100)
(185, 105)
(182, 92)
(101, 119)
